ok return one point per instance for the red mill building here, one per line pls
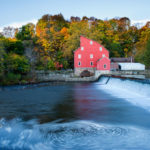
(91, 56)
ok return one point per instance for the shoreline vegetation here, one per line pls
(50, 44)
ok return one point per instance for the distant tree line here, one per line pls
(54, 39)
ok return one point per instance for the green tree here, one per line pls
(50, 65)
(2, 54)
(14, 46)
(72, 42)
(16, 64)
(26, 32)
(147, 54)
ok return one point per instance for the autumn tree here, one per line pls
(26, 32)
(9, 32)
(75, 19)
(2, 54)
(147, 54)
(51, 32)
(75, 30)
(16, 64)
(140, 45)
(14, 46)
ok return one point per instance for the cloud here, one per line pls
(18, 24)
(139, 23)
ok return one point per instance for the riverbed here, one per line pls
(111, 113)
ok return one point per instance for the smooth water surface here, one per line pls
(108, 114)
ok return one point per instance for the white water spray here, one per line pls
(135, 92)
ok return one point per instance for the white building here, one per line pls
(131, 66)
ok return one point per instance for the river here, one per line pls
(111, 114)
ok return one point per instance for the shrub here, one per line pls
(17, 64)
(14, 46)
(51, 65)
(11, 78)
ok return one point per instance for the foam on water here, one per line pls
(85, 135)
(138, 93)
(17, 134)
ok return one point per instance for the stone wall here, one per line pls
(77, 71)
(69, 76)
(61, 76)
(98, 73)
(131, 72)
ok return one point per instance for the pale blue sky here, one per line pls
(12, 11)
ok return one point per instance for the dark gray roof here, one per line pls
(129, 59)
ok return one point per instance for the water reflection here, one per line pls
(89, 103)
(70, 116)
(69, 102)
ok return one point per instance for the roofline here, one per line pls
(102, 58)
(76, 49)
(95, 42)
(92, 40)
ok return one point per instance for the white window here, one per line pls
(105, 66)
(79, 56)
(82, 48)
(100, 48)
(103, 55)
(91, 55)
(79, 63)
(91, 42)
(91, 63)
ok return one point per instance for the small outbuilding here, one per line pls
(103, 64)
(131, 66)
(125, 64)
(114, 66)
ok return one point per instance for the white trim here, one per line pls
(100, 48)
(91, 42)
(82, 48)
(102, 58)
(79, 56)
(91, 56)
(103, 55)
